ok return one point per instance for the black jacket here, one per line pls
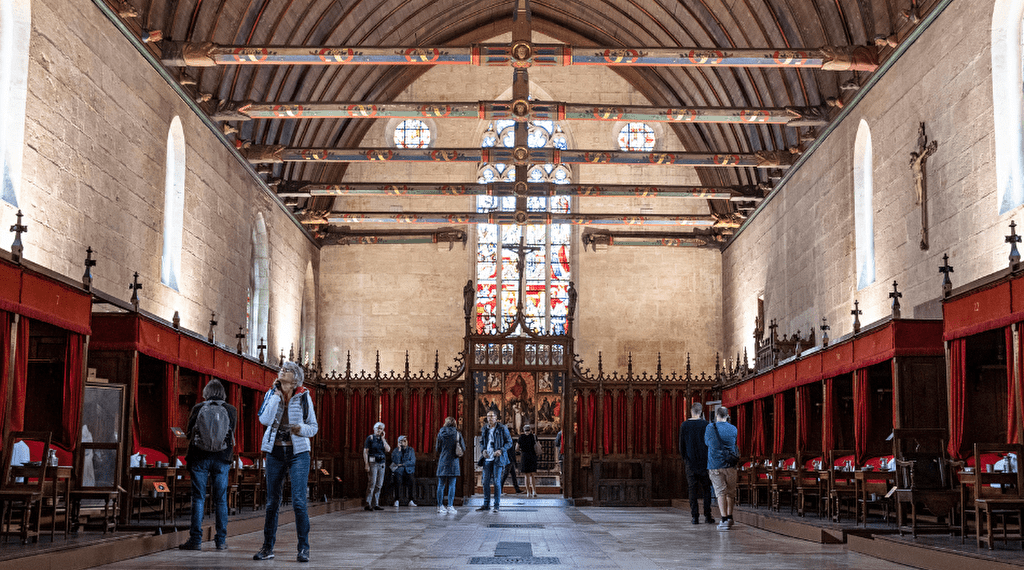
(692, 446)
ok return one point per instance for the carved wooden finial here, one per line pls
(280, 359)
(895, 295)
(1013, 239)
(945, 269)
(212, 336)
(856, 312)
(291, 353)
(240, 336)
(689, 375)
(17, 249)
(89, 264)
(600, 364)
(176, 321)
(135, 286)
(348, 363)
(824, 331)
(261, 347)
(629, 365)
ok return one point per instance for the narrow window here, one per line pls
(1007, 102)
(174, 205)
(259, 279)
(307, 326)
(863, 194)
(15, 31)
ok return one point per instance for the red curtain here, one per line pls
(638, 421)
(957, 402)
(423, 430)
(592, 423)
(387, 417)
(579, 402)
(371, 415)
(1011, 405)
(339, 421)
(861, 414)
(828, 439)
(779, 424)
(669, 424)
(622, 416)
(72, 390)
(446, 400)
(5, 358)
(606, 423)
(803, 394)
(757, 430)
(355, 423)
(650, 430)
(414, 413)
(235, 399)
(20, 377)
(741, 430)
(170, 408)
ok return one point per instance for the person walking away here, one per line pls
(449, 447)
(695, 455)
(288, 413)
(495, 441)
(403, 466)
(720, 437)
(375, 450)
(528, 445)
(510, 469)
(211, 429)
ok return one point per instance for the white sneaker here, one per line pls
(442, 511)
(396, 503)
(730, 524)
(724, 525)
(451, 510)
(411, 503)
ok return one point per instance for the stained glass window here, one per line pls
(412, 133)
(546, 268)
(637, 137)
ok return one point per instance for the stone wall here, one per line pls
(94, 159)
(800, 251)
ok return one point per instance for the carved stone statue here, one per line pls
(468, 298)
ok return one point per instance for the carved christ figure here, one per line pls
(917, 164)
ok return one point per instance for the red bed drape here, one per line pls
(170, 409)
(414, 413)
(622, 416)
(606, 423)
(957, 376)
(757, 430)
(669, 424)
(72, 390)
(339, 421)
(371, 415)
(20, 377)
(591, 423)
(638, 422)
(355, 422)
(861, 414)
(779, 424)
(742, 430)
(235, 399)
(387, 417)
(803, 394)
(5, 357)
(401, 423)
(1011, 404)
(423, 431)
(828, 438)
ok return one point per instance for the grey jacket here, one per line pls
(448, 464)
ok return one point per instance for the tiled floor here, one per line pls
(591, 538)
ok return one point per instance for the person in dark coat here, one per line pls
(528, 447)
(448, 440)
(695, 454)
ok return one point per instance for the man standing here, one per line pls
(695, 454)
(375, 450)
(403, 466)
(211, 430)
(720, 437)
(495, 441)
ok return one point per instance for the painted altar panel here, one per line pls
(521, 398)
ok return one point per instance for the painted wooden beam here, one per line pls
(308, 190)
(534, 218)
(519, 156)
(532, 111)
(520, 54)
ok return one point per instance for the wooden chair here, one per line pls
(876, 485)
(744, 481)
(923, 482)
(842, 488)
(760, 482)
(99, 497)
(22, 488)
(782, 486)
(809, 487)
(251, 487)
(997, 495)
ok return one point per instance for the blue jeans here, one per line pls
(200, 471)
(448, 482)
(282, 461)
(492, 475)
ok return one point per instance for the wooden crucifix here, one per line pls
(521, 251)
(918, 159)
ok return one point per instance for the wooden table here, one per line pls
(56, 485)
(143, 476)
(868, 482)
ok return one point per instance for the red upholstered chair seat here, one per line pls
(35, 450)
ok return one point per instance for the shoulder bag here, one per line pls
(460, 447)
(728, 456)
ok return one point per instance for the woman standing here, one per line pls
(528, 447)
(448, 441)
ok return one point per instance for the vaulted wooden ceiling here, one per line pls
(790, 24)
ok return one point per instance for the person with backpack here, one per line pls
(287, 411)
(211, 432)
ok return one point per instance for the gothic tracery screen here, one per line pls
(547, 267)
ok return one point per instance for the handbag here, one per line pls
(537, 448)
(728, 456)
(460, 447)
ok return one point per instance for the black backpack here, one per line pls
(213, 425)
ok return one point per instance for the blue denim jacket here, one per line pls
(716, 444)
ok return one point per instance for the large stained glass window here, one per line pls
(546, 267)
